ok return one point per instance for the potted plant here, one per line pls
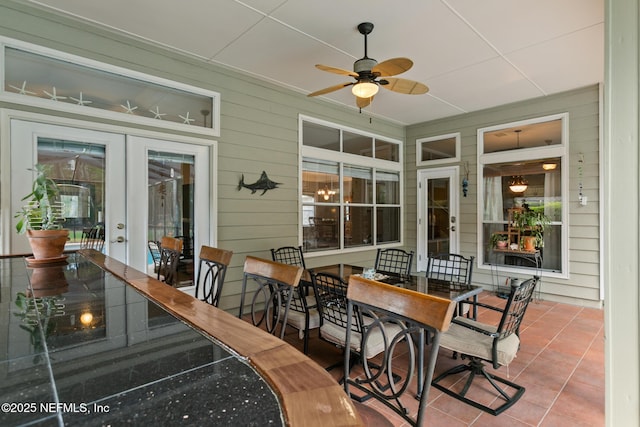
(42, 218)
(499, 240)
(532, 224)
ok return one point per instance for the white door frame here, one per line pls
(137, 172)
(6, 115)
(25, 134)
(423, 176)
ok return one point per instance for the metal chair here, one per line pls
(303, 316)
(410, 313)
(482, 342)
(170, 251)
(394, 261)
(453, 269)
(276, 284)
(93, 238)
(211, 274)
(340, 329)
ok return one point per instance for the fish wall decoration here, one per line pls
(264, 184)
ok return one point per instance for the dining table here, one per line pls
(454, 291)
(89, 340)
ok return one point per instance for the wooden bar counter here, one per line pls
(150, 355)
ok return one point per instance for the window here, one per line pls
(438, 149)
(351, 188)
(531, 153)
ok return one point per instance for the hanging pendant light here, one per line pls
(518, 184)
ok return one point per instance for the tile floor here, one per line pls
(560, 362)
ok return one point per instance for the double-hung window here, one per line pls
(351, 188)
(523, 166)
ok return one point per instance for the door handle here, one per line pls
(119, 239)
(452, 228)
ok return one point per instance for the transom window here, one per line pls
(351, 188)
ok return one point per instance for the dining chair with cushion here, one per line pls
(335, 324)
(482, 342)
(304, 315)
(455, 270)
(411, 314)
(211, 274)
(394, 261)
(271, 287)
(170, 251)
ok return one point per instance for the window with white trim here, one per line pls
(351, 188)
(533, 154)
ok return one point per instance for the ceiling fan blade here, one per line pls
(330, 89)
(392, 67)
(405, 86)
(336, 70)
(363, 102)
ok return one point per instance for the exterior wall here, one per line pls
(259, 131)
(583, 285)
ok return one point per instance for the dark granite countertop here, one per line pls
(84, 348)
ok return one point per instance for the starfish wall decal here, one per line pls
(80, 100)
(157, 114)
(54, 96)
(22, 90)
(128, 108)
(187, 120)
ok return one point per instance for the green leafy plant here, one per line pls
(497, 237)
(532, 223)
(44, 210)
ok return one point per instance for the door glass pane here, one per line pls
(438, 215)
(79, 170)
(171, 209)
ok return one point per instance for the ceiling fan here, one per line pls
(369, 75)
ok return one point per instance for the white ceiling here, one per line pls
(472, 54)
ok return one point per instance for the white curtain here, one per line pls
(493, 208)
(551, 194)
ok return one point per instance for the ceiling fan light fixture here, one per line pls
(518, 184)
(365, 89)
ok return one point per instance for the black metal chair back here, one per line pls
(170, 252)
(331, 293)
(291, 255)
(452, 268)
(395, 261)
(395, 317)
(274, 285)
(211, 274)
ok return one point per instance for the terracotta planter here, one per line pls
(47, 244)
(529, 243)
(48, 277)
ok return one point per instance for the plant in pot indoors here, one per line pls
(499, 240)
(41, 218)
(532, 224)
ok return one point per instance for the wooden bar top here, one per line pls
(308, 394)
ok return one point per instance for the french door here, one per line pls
(137, 188)
(438, 207)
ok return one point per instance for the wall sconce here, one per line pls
(326, 193)
(518, 184)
